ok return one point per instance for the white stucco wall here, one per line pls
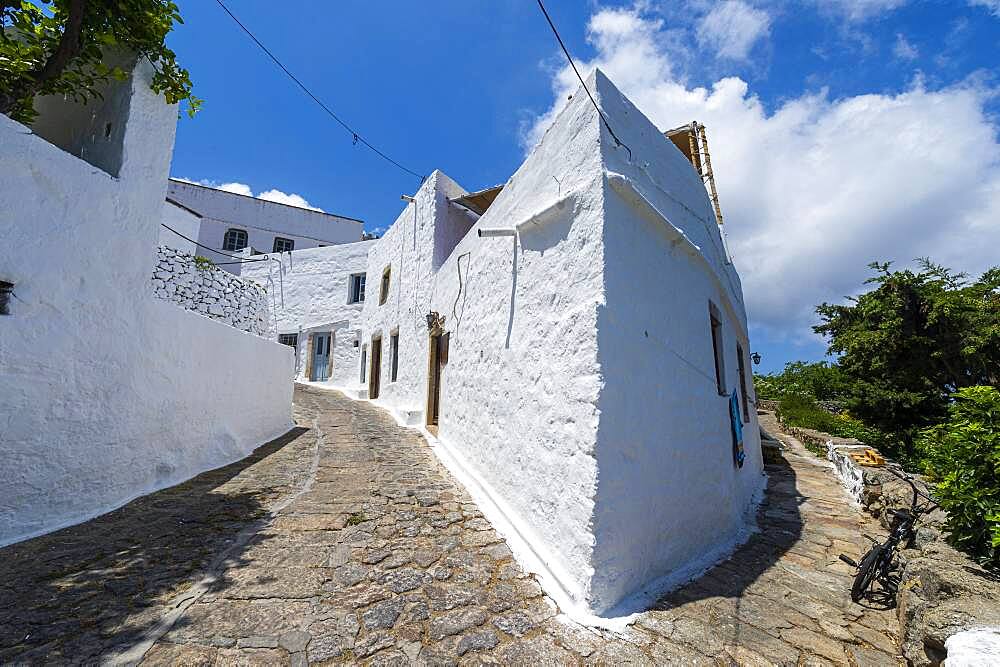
(579, 394)
(520, 390)
(106, 392)
(262, 220)
(670, 500)
(309, 292)
(183, 221)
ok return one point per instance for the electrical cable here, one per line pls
(354, 134)
(552, 25)
(242, 261)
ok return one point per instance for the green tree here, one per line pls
(819, 380)
(913, 340)
(59, 47)
(962, 456)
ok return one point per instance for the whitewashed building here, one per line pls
(230, 223)
(315, 298)
(107, 392)
(571, 341)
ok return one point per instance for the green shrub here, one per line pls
(821, 381)
(203, 263)
(962, 457)
(801, 411)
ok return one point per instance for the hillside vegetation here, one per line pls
(917, 376)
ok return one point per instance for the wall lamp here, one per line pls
(755, 358)
(408, 199)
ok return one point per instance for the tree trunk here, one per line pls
(67, 49)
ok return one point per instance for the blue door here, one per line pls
(321, 357)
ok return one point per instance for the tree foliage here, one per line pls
(59, 47)
(820, 380)
(962, 456)
(913, 340)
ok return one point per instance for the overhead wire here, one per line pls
(618, 142)
(200, 245)
(356, 136)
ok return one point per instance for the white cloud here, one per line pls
(267, 195)
(993, 6)
(732, 28)
(283, 198)
(819, 187)
(855, 10)
(903, 50)
(235, 188)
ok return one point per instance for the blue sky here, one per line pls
(842, 132)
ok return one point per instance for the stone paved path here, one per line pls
(346, 542)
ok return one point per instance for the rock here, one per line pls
(258, 642)
(538, 651)
(294, 641)
(477, 641)
(942, 592)
(405, 579)
(453, 622)
(384, 614)
(514, 623)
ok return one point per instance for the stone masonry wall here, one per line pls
(209, 291)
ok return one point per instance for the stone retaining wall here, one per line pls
(942, 592)
(209, 291)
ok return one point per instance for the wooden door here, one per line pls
(376, 373)
(434, 383)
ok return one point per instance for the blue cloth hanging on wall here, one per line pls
(737, 428)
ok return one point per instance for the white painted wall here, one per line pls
(308, 292)
(93, 131)
(183, 221)
(670, 501)
(262, 220)
(107, 393)
(519, 395)
(580, 394)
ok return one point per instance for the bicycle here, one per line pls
(880, 564)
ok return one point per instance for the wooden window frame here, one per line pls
(383, 295)
(394, 355)
(360, 278)
(718, 347)
(283, 241)
(744, 394)
(286, 336)
(235, 231)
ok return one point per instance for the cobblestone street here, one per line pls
(346, 541)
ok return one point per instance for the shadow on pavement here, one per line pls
(84, 591)
(780, 524)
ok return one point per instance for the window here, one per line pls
(283, 245)
(364, 361)
(6, 289)
(292, 340)
(235, 239)
(720, 368)
(357, 288)
(384, 293)
(394, 344)
(741, 365)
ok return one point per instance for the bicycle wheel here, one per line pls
(867, 571)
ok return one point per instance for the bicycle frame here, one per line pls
(879, 562)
